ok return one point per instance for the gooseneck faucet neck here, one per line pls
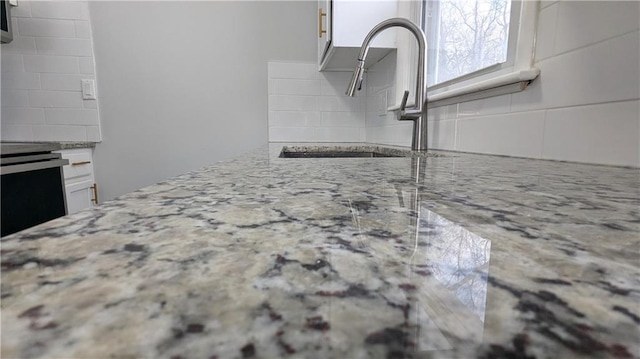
(417, 113)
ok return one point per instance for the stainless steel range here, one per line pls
(32, 185)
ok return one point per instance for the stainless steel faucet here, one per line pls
(418, 113)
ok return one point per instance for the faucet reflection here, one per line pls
(418, 113)
(454, 300)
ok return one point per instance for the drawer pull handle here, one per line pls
(95, 193)
(80, 163)
(320, 15)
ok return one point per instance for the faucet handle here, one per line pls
(403, 115)
(403, 104)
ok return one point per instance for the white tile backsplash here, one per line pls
(295, 87)
(42, 67)
(20, 81)
(68, 10)
(54, 99)
(71, 117)
(546, 3)
(47, 27)
(342, 119)
(373, 119)
(585, 76)
(93, 134)
(382, 75)
(310, 106)
(518, 134)
(86, 65)
(442, 134)
(55, 64)
(487, 106)
(22, 10)
(293, 103)
(12, 62)
(398, 134)
(82, 29)
(339, 134)
(20, 45)
(546, 33)
(16, 133)
(63, 82)
(335, 83)
(582, 23)
(15, 98)
(340, 104)
(292, 134)
(294, 118)
(605, 133)
(59, 133)
(93, 104)
(70, 47)
(14, 26)
(17, 115)
(443, 112)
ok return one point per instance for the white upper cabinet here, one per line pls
(343, 25)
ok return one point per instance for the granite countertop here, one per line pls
(12, 147)
(468, 256)
(66, 145)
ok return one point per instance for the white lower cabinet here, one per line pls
(79, 179)
(79, 196)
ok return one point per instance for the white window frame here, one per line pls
(508, 77)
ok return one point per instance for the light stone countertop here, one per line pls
(470, 256)
(73, 145)
(13, 147)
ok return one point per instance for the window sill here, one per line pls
(496, 86)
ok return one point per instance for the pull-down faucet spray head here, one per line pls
(417, 113)
(356, 79)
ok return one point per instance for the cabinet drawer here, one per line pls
(79, 196)
(80, 167)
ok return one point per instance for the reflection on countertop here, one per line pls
(458, 256)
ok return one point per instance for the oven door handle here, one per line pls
(34, 166)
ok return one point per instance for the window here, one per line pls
(475, 48)
(467, 36)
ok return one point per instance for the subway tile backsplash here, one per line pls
(310, 106)
(46, 28)
(42, 67)
(65, 10)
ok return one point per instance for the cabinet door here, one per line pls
(79, 196)
(78, 179)
(324, 27)
(347, 24)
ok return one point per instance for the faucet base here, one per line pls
(419, 138)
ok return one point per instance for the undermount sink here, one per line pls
(350, 152)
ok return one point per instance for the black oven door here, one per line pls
(31, 193)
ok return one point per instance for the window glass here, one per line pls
(465, 36)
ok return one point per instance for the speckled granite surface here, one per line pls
(468, 257)
(390, 151)
(72, 145)
(57, 145)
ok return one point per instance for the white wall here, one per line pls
(41, 72)
(584, 106)
(310, 106)
(184, 84)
